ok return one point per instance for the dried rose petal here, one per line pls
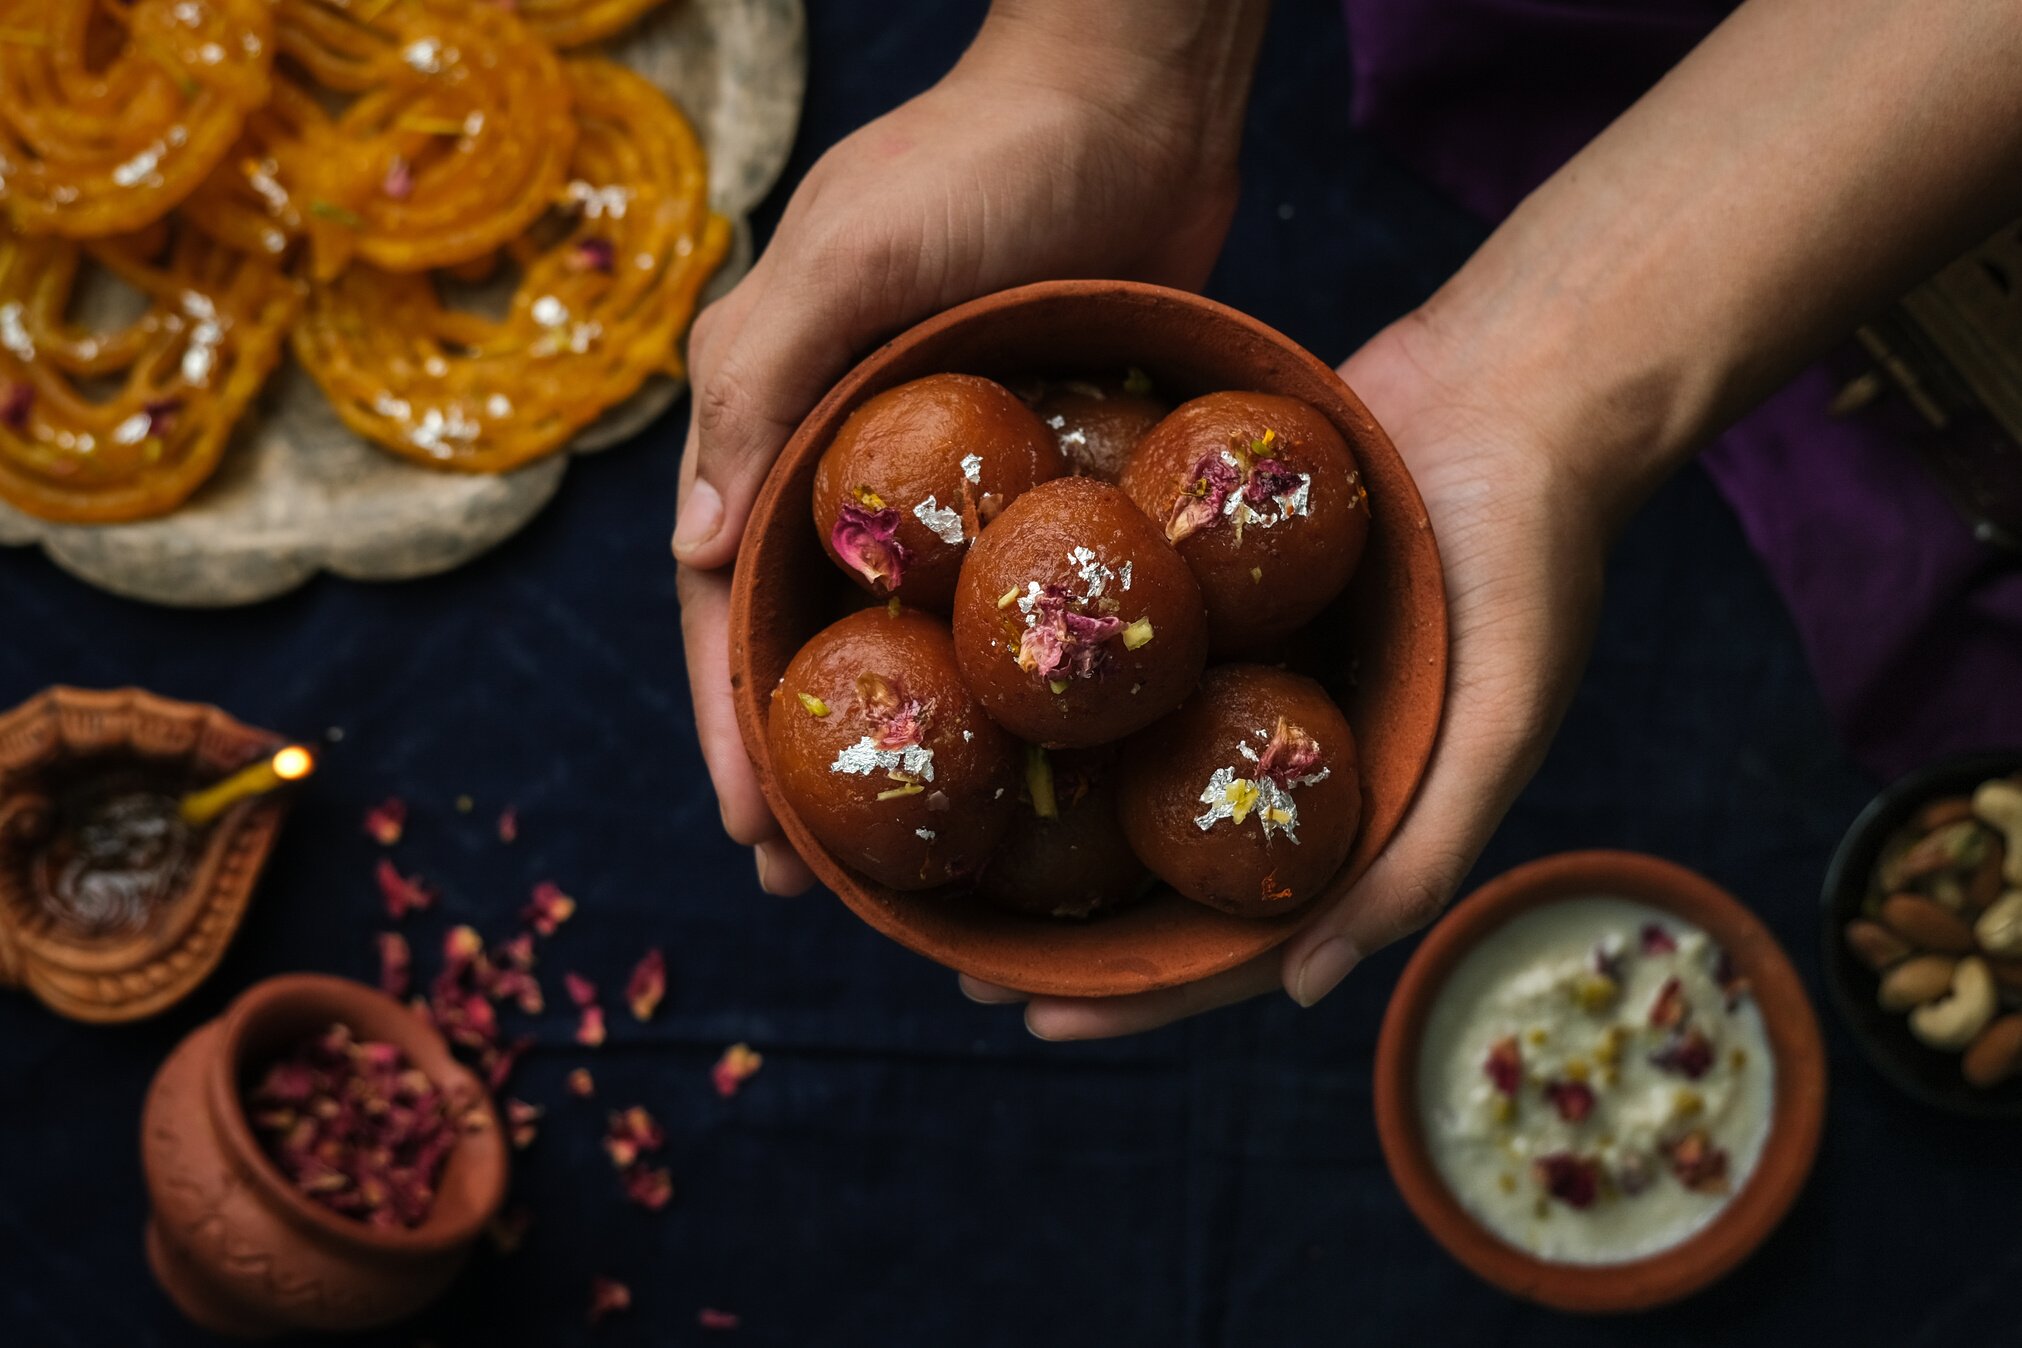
(581, 990)
(509, 824)
(1270, 479)
(1656, 940)
(581, 1084)
(520, 1120)
(396, 964)
(1207, 491)
(509, 1229)
(549, 908)
(1291, 755)
(1059, 640)
(1690, 1054)
(590, 1029)
(1573, 1099)
(650, 1187)
(734, 1068)
(1608, 957)
(593, 254)
(1505, 1066)
(402, 894)
(867, 542)
(1573, 1180)
(161, 415)
(1729, 978)
(520, 988)
(398, 184)
(1670, 1007)
(462, 947)
(899, 721)
(647, 985)
(1698, 1164)
(710, 1318)
(607, 1295)
(386, 821)
(17, 400)
(631, 1133)
(516, 953)
(499, 1063)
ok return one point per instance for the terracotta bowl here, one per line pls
(1382, 648)
(1916, 1069)
(1799, 1107)
(232, 1242)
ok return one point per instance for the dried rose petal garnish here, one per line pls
(1060, 642)
(1699, 1165)
(581, 990)
(1200, 502)
(520, 1120)
(1291, 756)
(1670, 1007)
(899, 722)
(548, 909)
(867, 542)
(581, 1084)
(161, 415)
(1573, 1099)
(386, 821)
(1608, 957)
(396, 964)
(630, 1134)
(1270, 479)
(355, 1127)
(734, 1068)
(1573, 1180)
(593, 254)
(1689, 1053)
(1729, 978)
(16, 403)
(607, 1296)
(509, 824)
(647, 985)
(590, 1029)
(1504, 1066)
(403, 894)
(709, 1318)
(651, 1187)
(1656, 940)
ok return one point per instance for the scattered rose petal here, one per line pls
(581, 1084)
(498, 1063)
(386, 821)
(1291, 756)
(867, 543)
(710, 1318)
(520, 1120)
(590, 1029)
(549, 908)
(630, 1134)
(402, 894)
(1608, 957)
(16, 402)
(1656, 940)
(1060, 641)
(1200, 502)
(396, 964)
(1573, 1180)
(461, 948)
(509, 824)
(582, 991)
(1670, 1007)
(1270, 479)
(651, 1187)
(509, 1229)
(1573, 1099)
(647, 985)
(734, 1068)
(898, 721)
(1729, 978)
(1504, 1066)
(1688, 1053)
(516, 953)
(607, 1296)
(1698, 1164)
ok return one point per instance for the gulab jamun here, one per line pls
(1262, 497)
(1247, 798)
(1066, 855)
(1075, 621)
(884, 754)
(914, 475)
(1098, 422)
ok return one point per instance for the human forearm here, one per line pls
(1807, 163)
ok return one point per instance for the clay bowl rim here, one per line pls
(341, 999)
(1883, 1037)
(1254, 937)
(1795, 1127)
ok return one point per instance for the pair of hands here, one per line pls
(986, 182)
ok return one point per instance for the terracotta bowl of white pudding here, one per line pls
(1599, 1083)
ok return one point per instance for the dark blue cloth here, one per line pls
(908, 1168)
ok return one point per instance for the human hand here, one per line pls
(1521, 543)
(1003, 173)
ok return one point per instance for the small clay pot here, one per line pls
(234, 1244)
(1796, 1120)
(62, 740)
(1387, 665)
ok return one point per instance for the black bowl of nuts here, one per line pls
(1923, 933)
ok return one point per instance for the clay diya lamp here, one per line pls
(1385, 644)
(1797, 1108)
(113, 903)
(238, 1247)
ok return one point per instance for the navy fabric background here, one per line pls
(909, 1168)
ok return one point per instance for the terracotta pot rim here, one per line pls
(1425, 635)
(447, 1226)
(1795, 1125)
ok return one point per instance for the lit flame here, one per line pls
(293, 763)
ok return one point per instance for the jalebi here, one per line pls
(457, 139)
(599, 306)
(569, 23)
(112, 111)
(180, 374)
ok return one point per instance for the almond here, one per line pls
(1915, 982)
(1926, 925)
(1945, 810)
(1984, 885)
(1996, 1054)
(1875, 945)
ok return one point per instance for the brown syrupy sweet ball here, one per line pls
(1075, 621)
(1066, 855)
(915, 473)
(1098, 422)
(1262, 497)
(1247, 798)
(885, 755)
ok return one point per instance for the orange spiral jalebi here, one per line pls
(568, 23)
(112, 111)
(180, 374)
(597, 309)
(456, 140)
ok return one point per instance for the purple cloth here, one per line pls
(1914, 629)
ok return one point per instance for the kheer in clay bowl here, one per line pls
(1599, 1084)
(1379, 649)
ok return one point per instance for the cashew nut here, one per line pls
(1999, 805)
(1999, 930)
(1954, 1021)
